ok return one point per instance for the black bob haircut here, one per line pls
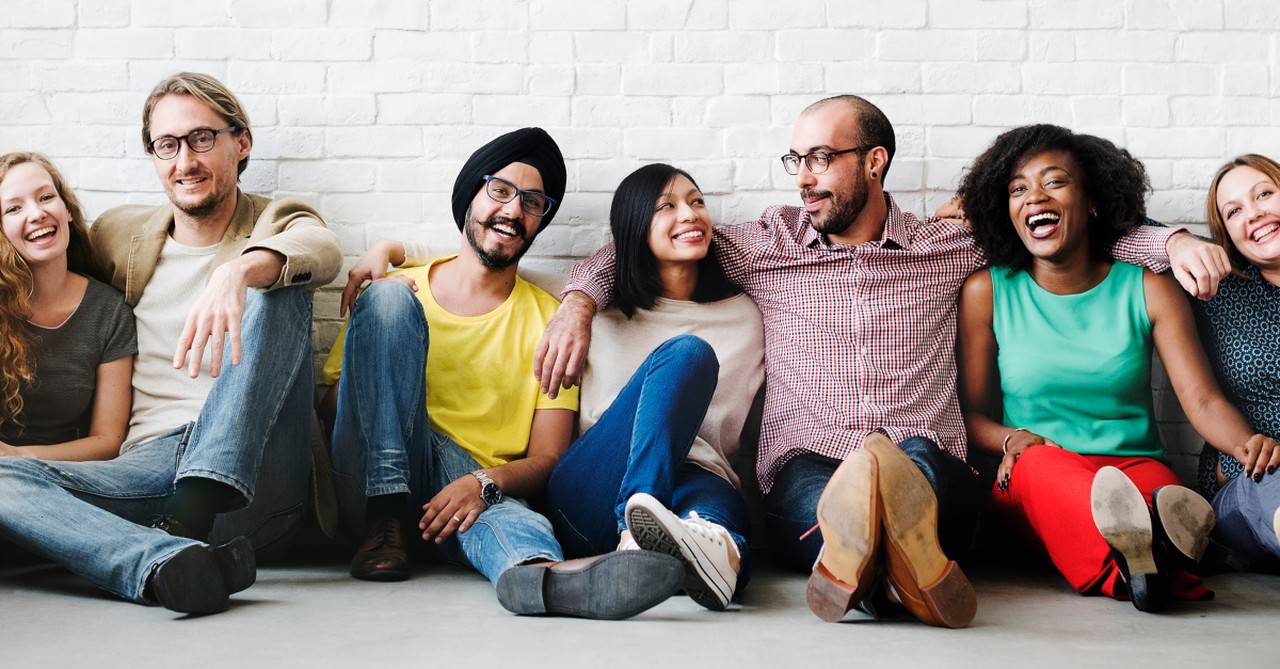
(1114, 181)
(638, 285)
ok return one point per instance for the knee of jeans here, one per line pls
(387, 303)
(694, 352)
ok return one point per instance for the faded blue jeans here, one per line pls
(791, 506)
(1245, 510)
(252, 434)
(639, 445)
(383, 442)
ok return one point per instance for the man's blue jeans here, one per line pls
(252, 434)
(792, 504)
(639, 445)
(383, 443)
(1245, 510)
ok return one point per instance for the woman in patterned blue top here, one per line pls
(1243, 337)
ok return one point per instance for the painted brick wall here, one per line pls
(367, 109)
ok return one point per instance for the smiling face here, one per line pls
(198, 184)
(1250, 209)
(680, 231)
(36, 221)
(1048, 206)
(500, 233)
(835, 197)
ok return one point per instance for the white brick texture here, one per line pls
(368, 108)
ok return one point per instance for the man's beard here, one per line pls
(495, 261)
(843, 212)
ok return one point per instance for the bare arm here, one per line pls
(979, 381)
(548, 437)
(112, 398)
(1220, 423)
(370, 267)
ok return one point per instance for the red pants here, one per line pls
(1048, 504)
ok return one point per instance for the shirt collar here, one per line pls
(894, 236)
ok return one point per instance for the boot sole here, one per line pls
(617, 586)
(933, 588)
(1186, 518)
(238, 564)
(1124, 520)
(848, 516)
(191, 582)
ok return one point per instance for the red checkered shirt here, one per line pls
(857, 338)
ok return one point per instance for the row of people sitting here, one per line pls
(888, 343)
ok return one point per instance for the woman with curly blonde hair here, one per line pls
(67, 340)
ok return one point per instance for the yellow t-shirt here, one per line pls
(481, 391)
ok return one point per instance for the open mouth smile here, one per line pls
(1043, 224)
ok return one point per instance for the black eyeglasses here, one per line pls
(532, 202)
(200, 141)
(817, 161)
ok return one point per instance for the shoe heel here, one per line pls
(951, 600)
(828, 598)
(520, 590)
(1124, 521)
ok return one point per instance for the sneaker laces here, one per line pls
(713, 531)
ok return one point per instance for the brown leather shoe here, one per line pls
(917, 572)
(382, 555)
(849, 517)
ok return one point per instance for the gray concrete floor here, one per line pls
(308, 612)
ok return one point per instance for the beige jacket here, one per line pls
(128, 240)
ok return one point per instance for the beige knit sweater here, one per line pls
(732, 326)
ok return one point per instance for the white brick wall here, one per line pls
(368, 108)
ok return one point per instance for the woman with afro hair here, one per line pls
(1054, 354)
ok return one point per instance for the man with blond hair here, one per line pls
(216, 461)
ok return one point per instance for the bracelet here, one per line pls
(1004, 447)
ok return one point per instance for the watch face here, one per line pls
(491, 494)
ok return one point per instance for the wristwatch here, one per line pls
(490, 493)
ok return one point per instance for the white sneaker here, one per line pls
(709, 554)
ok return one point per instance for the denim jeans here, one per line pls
(639, 445)
(383, 442)
(1245, 512)
(252, 433)
(792, 504)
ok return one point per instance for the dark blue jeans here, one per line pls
(639, 445)
(792, 504)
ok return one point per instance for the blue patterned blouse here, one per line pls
(1243, 339)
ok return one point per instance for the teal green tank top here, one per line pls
(1077, 368)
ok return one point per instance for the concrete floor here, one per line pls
(308, 612)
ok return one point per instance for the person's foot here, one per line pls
(849, 518)
(1184, 519)
(382, 555)
(1124, 521)
(200, 579)
(707, 551)
(613, 586)
(917, 572)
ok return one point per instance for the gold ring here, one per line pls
(455, 519)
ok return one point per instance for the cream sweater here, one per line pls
(732, 326)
